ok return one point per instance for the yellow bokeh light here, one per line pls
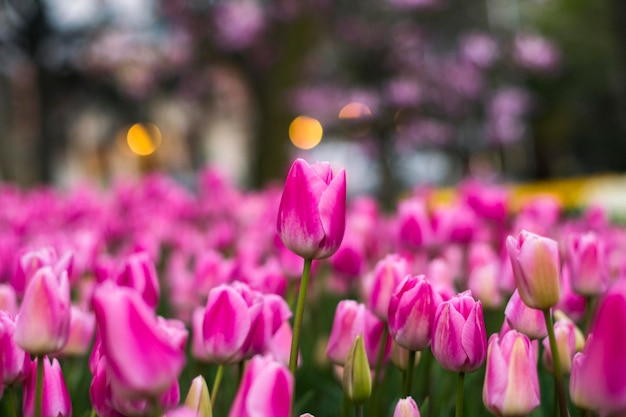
(305, 132)
(143, 138)
(354, 110)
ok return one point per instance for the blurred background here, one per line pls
(401, 92)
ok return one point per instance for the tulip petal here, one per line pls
(332, 210)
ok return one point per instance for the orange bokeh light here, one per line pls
(354, 110)
(305, 132)
(143, 138)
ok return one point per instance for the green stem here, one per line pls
(358, 408)
(157, 411)
(345, 407)
(589, 304)
(558, 376)
(408, 376)
(11, 402)
(39, 386)
(459, 394)
(297, 323)
(216, 384)
(291, 293)
(377, 375)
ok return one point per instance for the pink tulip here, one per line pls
(459, 341)
(229, 316)
(412, 313)
(349, 259)
(598, 379)
(572, 304)
(14, 362)
(8, 299)
(525, 319)
(82, 328)
(565, 334)
(511, 386)
(127, 325)
(536, 267)
(43, 324)
(28, 264)
(56, 399)
(484, 275)
(312, 213)
(352, 319)
(406, 407)
(279, 346)
(265, 390)
(387, 275)
(488, 201)
(586, 258)
(274, 313)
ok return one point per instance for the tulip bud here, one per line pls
(511, 386)
(459, 340)
(524, 319)
(198, 398)
(357, 379)
(312, 213)
(43, 324)
(56, 401)
(406, 407)
(536, 267)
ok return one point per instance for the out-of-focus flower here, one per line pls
(565, 334)
(511, 386)
(312, 213)
(43, 323)
(598, 378)
(480, 49)
(14, 361)
(459, 341)
(484, 274)
(82, 327)
(383, 282)
(265, 390)
(352, 319)
(139, 273)
(198, 398)
(127, 325)
(536, 267)
(228, 318)
(8, 299)
(413, 224)
(536, 53)
(406, 407)
(56, 397)
(586, 260)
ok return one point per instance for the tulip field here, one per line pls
(154, 299)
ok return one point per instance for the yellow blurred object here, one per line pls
(143, 138)
(305, 132)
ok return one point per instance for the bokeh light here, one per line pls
(143, 138)
(354, 110)
(305, 132)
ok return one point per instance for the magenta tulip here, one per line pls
(265, 390)
(139, 273)
(126, 326)
(598, 379)
(228, 318)
(43, 323)
(536, 268)
(8, 299)
(56, 399)
(312, 213)
(511, 386)
(82, 329)
(414, 228)
(412, 313)
(459, 341)
(14, 361)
